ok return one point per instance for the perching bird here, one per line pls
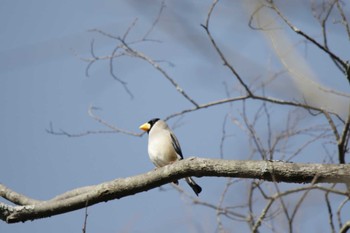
(164, 148)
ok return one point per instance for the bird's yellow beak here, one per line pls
(145, 127)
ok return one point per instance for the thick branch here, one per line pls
(266, 170)
(15, 197)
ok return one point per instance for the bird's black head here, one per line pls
(148, 126)
(152, 122)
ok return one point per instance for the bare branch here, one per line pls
(340, 208)
(345, 227)
(152, 62)
(202, 106)
(343, 141)
(221, 54)
(262, 216)
(94, 58)
(330, 212)
(162, 7)
(62, 132)
(332, 125)
(227, 211)
(207, 105)
(223, 137)
(253, 134)
(220, 209)
(278, 195)
(301, 200)
(85, 219)
(15, 197)
(116, 129)
(113, 129)
(345, 21)
(344, 64)
(266, 170)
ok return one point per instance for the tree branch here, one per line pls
(86, 196)
(15, 197)
(221, 54)
(343, 141)
(131, 52)
(345, 227)
(325, 49)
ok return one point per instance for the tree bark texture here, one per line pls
(276, 171)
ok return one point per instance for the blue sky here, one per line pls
(43, 82)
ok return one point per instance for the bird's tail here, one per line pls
(196, 188)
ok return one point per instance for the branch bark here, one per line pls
(278, 171)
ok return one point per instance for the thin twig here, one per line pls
(219, 211)
(345, 21)
(301, 200)
(162, 7)
(218, 50)
(143, 56)
(324, 33)
(224, 136)
(340, 208)
(103, 122)
(85, 218)
(344, 64)
(330, 212)
(343, 141)
(277, 196)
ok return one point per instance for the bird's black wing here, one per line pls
(176, 145)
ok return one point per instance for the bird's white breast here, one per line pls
(160, 148)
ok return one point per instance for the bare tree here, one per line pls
(313, 116)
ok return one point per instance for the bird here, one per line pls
(164, 148)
